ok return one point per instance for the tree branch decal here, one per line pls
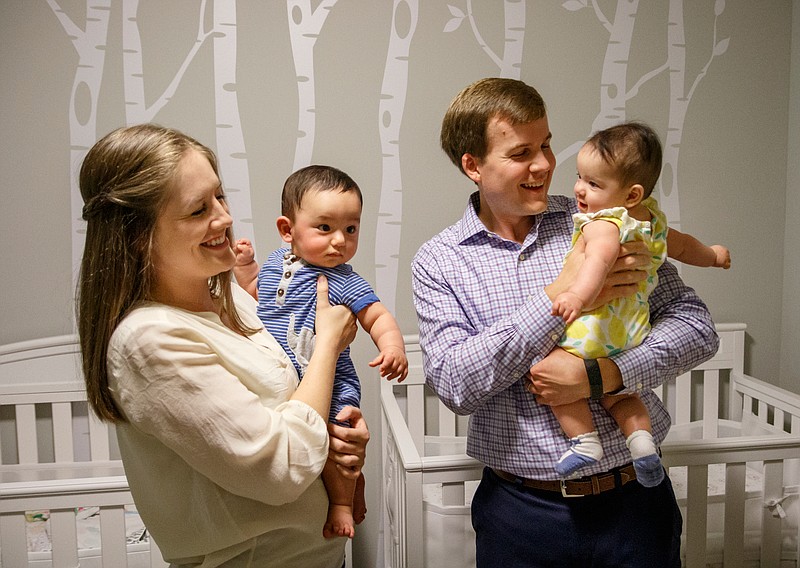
(136, 109)
(510, 64)
(305, 25)
(390, 118)
(614, 94)
(90, 44)
(231, 150)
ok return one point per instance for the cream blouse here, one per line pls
(215, 452)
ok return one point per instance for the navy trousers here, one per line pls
(632, 526)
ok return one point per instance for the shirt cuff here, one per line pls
(535, 322)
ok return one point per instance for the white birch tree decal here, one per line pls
(390, 118)
(305, 25)
(230, 138)
(614, 94)
(679, 99)
(90, 44)
(510, 63)
(613, 82)
(136, 109)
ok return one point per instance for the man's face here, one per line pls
(514, 176)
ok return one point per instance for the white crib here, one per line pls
(733, 454)
(58, 462)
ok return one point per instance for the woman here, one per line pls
(222, 447)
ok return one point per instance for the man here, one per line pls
(483, 290)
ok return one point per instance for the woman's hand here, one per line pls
(335, 325)
(348, 446)
(336, 328)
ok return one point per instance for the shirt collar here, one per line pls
(471, 226)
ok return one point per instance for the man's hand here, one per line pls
(622, 280)
(559, 378)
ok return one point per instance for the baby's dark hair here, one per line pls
(314, 178)
(633, 150)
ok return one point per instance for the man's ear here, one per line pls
(470, 166)
(284, 225)
(635, 195)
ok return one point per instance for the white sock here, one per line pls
(588, 445)
(641, 444)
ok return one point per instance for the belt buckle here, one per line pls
(564, 490)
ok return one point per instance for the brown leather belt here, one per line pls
(580, 487)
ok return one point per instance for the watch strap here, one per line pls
(595, 379)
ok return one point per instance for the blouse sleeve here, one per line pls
(221, 404)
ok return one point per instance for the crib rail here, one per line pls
(424, 444)
(720, 416)
(767, 421)
(55, 456)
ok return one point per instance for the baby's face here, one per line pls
(325, 228)
(598, 186)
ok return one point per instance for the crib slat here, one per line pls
(696, 515)
(447, 420)
(683, 399)
(771, 536)
(13, 541)
(747, 406)
(112, 534)
(98, 439)
(778, 417)
(763, 411)
(668, 395)
(64, 538)
(735, 493)
(27, 440)
(416, 415)
(62, 432)
(710, 403)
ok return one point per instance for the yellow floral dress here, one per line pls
(625, 322)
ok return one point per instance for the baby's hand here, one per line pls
(393, 363)
(567, 306)
(245, 254)
(723, 259)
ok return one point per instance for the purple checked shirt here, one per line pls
(484, 320)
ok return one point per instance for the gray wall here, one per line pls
(382, 74)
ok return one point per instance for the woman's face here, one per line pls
(191, 239)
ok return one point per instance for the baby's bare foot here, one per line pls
(339, 522)
(359, 501)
